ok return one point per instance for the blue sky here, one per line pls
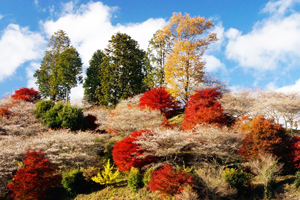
(258, 46)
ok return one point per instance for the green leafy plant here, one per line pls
(134, 179)
(147, 176)
(297, 179)
(42, 107)
(236, 178)
(107, 176)
(74, 182)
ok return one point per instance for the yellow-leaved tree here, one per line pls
(184, 66)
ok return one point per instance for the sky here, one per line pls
(258, 40)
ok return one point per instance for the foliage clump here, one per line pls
(203, 107)
(42, 107)
(159, 99)
(35, 178)
(74, 182)
(169, 181)
(107, 176)
(263, 136)
(26, 94)
(127, 154)
(134, 179)
(65, 116)
(294, 151)
(236, 178)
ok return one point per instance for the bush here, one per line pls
(297, 179)
(263, 136)
(5, 112)
(35, 178)
(202, 107)
(126, 153)
(147, 176)
(236, 178)
(91, 119)
(74, 182)
(169, 181)
(294, 151)
(65, 116)
(159, 99)
(26, 94)
(107, 177)
(42, 107)
(134, 179)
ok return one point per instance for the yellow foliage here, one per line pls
(184, 67)
(107, 177)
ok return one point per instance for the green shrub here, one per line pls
(74, 182)
(42, 107)
(236, 178)
(147, 176)
(134, 179)
(65, 116)
(297, 179)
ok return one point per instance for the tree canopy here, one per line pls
(61, 68)
(122, 70)
(184, 66)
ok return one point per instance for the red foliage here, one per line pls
(91, 119)
(26, 94)
(203, 107)
(4, 112)
(263, 136)
(165, 123)
(126, 153)
(294, 151)
(159, 99)
(34, 179)
(169, 181)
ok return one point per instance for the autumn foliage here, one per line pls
(34, 179)
(126, 153)
(159, 99)
(263, 136)
(26, 94)
(202, 107)
(5, 112)
(294, 151)
(169, 181)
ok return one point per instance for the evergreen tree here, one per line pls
(93, 76)
(60, 69)
(122, 70)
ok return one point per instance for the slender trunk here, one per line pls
(67, 93)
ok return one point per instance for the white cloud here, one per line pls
(17, 46)
(213, 63)
(89, 28)
(271, 86)
(1, 16)
(279, 7)
(273, 42)
(290, 88)
(30, 70)
(36, 2)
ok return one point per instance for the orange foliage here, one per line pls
(263, 136)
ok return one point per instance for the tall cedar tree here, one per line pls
(203, 107)
(60, 69)
(93, 76)
(159, 99)
(126, 153)
(263, 136)
(184, 66)
(123, 71)
(156, 59)
(34, 179)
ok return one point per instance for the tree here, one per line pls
(123, 70)
(93, 76)
(26, 94)
(60, 69)
(156, 55)
(184, 67)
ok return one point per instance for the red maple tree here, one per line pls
(169, 181)
(126, 153)
(159, 99)
(26, 94)
(34, 179)
(294, 151)
(202, 107)
(263, 136)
